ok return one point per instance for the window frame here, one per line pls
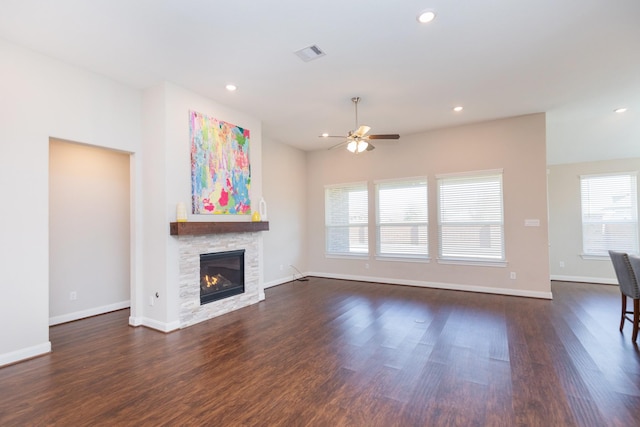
(587, 252)
(411, 256)
(479, 258)
(361, 226)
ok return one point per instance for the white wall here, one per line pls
(167, 181)
(565, 221)
(88, 231)
(285, 187)
(43, 98)
(516, 145)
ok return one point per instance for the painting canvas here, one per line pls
(220, 170)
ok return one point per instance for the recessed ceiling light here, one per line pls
(426, 16)
(620, 110)
(231, 87)
(457, 109)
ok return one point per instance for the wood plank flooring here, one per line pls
(339, 353)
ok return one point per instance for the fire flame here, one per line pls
(210, 280)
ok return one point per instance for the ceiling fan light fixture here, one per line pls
(357, 141)
(426, 16)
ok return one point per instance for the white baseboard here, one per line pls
(603, 280)
(25, 353)
(277, 282)
(440, 285)
(158, 326)
(135, 321)
(70, 317)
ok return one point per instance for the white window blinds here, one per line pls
(401, 218)
(609, 213)
(471, 224)
(346, 219)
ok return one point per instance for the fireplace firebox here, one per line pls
(221, 275)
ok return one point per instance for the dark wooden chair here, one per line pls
(627, 268)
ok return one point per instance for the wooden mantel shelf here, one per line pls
(202, 228)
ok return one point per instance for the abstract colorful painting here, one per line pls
(220, 170)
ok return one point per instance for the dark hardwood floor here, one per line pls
(340, 353)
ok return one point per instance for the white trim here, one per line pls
(439, 285)
(25, 353)
(403, 258)
(475, 263)
(135, 321)
(595, 257)
(70, 317)
(277, 282)
(592, 175)
(347, 256)
(487, 172)
(584, 279)
(348, 184)
(160, 326)
(411, 179)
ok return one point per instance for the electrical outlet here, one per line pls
(151, 300)
(561, 264)
(73, 296)
(281, 267)
(366, 265)
(513, 275)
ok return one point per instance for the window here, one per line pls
(347, 219)
(609, 213)
(471, 225)
(401, 218)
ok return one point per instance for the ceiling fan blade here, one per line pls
(370, 147)
(362, 130)
(387, 136)
(331, 136)
(338, 144)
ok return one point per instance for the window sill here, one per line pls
(347, 256)
(423, 260)
(595, 257)
(471, 262)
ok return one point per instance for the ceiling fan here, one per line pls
(357, 140)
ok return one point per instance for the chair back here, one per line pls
(635, 266)
(625, 273)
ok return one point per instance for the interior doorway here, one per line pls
(89, 230)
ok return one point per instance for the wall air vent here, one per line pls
(309, 53)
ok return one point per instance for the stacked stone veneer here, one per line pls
(190, 248)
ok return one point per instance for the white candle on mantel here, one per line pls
(181, 212)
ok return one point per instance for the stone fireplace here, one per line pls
(196, 239)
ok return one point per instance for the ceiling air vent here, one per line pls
(309, 53)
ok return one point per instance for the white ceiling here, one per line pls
(576, 60)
